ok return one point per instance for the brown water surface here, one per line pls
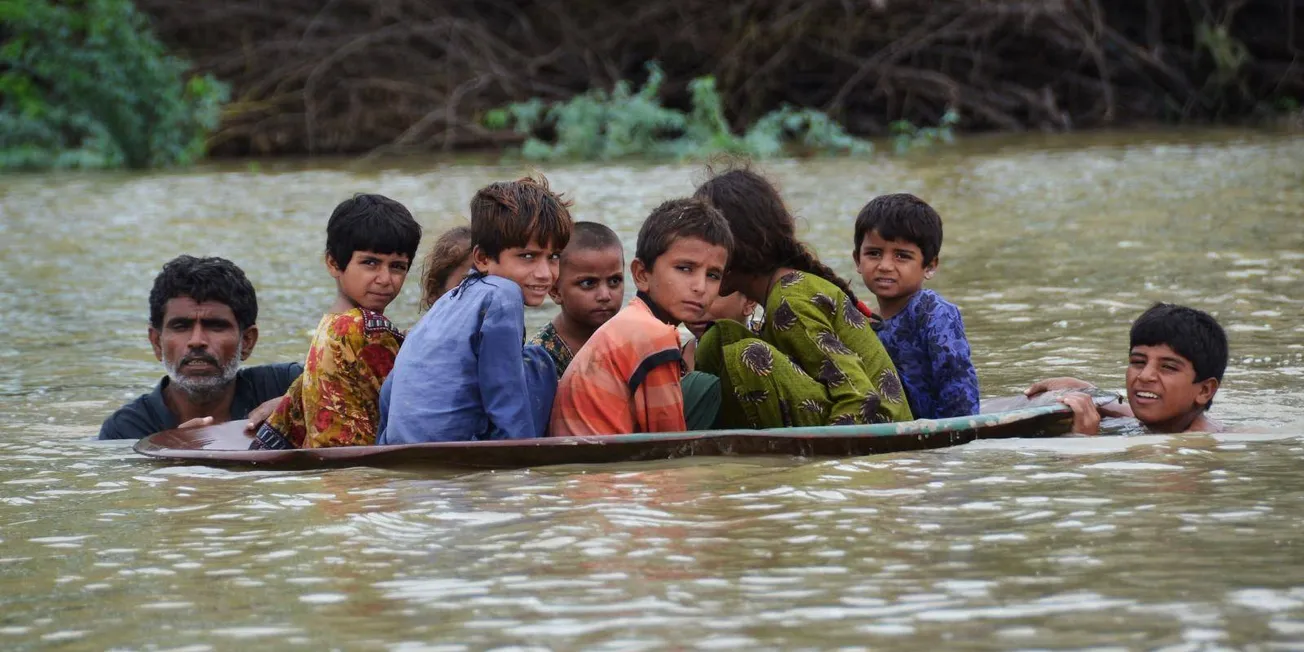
(1053, 245)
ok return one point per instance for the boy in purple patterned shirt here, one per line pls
(898, 239)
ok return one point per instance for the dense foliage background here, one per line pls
(86, 81)
(86, 84)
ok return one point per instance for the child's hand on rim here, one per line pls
(260, 414)
(1086, 418)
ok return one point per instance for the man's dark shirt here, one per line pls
(149, 413)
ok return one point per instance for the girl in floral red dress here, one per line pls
(370, 243)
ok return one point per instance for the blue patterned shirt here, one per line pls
(927, 344)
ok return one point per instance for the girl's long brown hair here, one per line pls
(451, 249)
(764, 232)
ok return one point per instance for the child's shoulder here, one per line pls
(799, 288)
(635, 326)
(798, 282)
(491, 289)
(802, 295)
(930, 313)
(929, 302)
(357, 325)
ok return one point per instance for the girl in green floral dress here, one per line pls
(816, 361)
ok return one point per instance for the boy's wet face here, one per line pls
(684, 279)
(201, 344)
(591, 285)
(371, 280)
(533, 267)
(1161, 387)
(892, 268)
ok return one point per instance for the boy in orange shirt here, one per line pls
(628, 376)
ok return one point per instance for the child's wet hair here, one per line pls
(764, 231)
(681, 218)
(591, 236)
(509, 214)
(451, 250)
(372, 223)
(903, 217)
(1192, 334)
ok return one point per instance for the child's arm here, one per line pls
(1063, 383)
(1086, 418)
(504, 392)
(259, 414)
(955, 379)
(659, 400)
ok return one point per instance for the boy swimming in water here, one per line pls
(897, 241)
(590, 290)
(463, 373)
(629, 377)
(370, 243)
(1175, 365)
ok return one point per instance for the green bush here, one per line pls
(598, 125)
(906, 136)
(84, 83)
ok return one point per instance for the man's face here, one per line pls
(201, 345)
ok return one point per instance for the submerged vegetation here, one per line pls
(86, 84)
(601, 125)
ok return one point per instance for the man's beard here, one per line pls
(202, 389)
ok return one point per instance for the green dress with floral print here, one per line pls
(816, 362)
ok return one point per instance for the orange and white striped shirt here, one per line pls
(625, 379)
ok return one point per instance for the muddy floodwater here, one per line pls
(1053, 245)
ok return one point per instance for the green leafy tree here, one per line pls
(84, 83)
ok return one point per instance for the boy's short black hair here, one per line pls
(591, 236)
(1192, 334)
(901, 216)
(510, 214)
(372, 223)
(204, 279)
(681, 218)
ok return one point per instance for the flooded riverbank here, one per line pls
(1053, 244)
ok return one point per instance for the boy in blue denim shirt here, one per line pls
(463, 372)
(898, 239)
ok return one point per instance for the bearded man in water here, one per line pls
(202, 314)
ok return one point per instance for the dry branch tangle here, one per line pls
(327, 76)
